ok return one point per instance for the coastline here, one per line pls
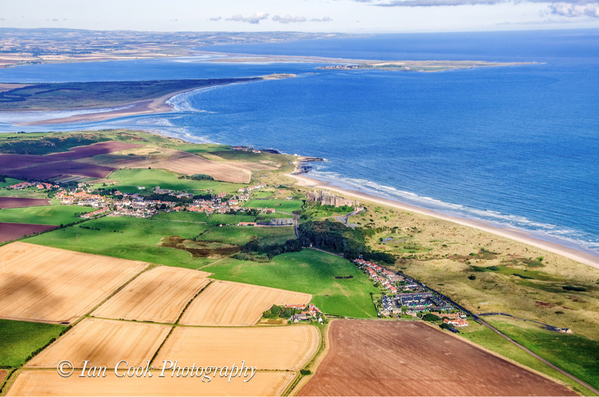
(150, 106)
(520, 236)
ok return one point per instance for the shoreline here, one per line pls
(520, 236)
(150, 106)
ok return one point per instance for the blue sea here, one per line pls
(515, 146)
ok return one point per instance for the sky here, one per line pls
(346, 16)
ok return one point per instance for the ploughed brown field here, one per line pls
(104, 343)
(177, 161)
(13, 231)
(158, 295)
(414, 359)
(48, 166)
(50, 170)
(53, 285)
(16, 202)
(267, 348)
(225, 303)
(3, 373)
(49, 383)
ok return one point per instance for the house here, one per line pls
(246, 224)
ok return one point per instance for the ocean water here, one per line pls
(514, 145)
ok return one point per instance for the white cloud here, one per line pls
(288, 19)
(575, 10)
(215, 19)
(254, 19)
(323, 19)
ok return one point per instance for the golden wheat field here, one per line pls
(158, 295)
(103, 343)
(49, 383)
(226, 303)
(52, 285)
(267, 348)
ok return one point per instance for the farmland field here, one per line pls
(129, 179)
(414, 359)
(267, 348)
(104, 343)
(309, 271)
(158, 295)
(21, 338)
(47, 171)
(52, 285)
(184, 216)
(226, 219)
(15, 202)
(3, 373)
(49, 383)
(45, 215)
(278, 205)
(13, 231)
(127, 238)
(233, 304)
(241, 235)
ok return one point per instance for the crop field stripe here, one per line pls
(227, 303)
(104, 343)
(57, 275)
(286, 348)
(191, 300)
(159, 295)
(47, 382)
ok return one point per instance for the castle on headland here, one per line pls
(327, 198)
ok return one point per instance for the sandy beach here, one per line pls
(511, 233)
(157, 105)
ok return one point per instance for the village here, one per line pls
(403, 296)
(137, 205)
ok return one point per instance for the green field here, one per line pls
(226, 219)
(129, 179)
(9, 182)
(44, 215)
(308, 271)
(489, 339)
(241, 235)
(31, 192)
(278, 205)
(184, 216)
(135, 239)
(573, 353)
(274, 215)
(20, 339)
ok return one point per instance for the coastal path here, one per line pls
(547, 326)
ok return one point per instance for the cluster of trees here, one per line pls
(2, 179)
(280, 312)
(336, 237)
(256, 250)
(197, 177)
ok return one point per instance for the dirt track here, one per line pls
(413, 359)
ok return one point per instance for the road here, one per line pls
(481, 321)
(538, 357)
(345, 218)
(295, 222)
